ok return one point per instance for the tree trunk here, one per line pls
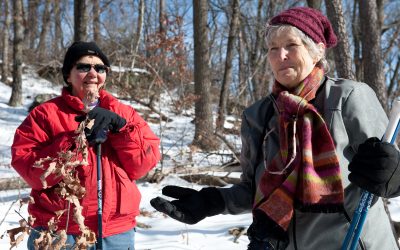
(58, 42)
(223, 99)
(16, 94)
(255, 54)
(380, 12)
(161, 17)
(394, 78)
(43, 34)
(315, 4)
(80, 20)
(5, 69)
(32, 22)
(342, 50)
(371, 49)
(96, 21)
(242, 70)
(203, 137)
(356, 30)
(138, 33)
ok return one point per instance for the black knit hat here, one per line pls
(76, 51)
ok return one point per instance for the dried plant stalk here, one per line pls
(70, 189)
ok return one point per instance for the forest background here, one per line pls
(208, 56)
(217, 44)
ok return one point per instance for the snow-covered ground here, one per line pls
(163, 232)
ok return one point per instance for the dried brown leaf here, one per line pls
(60, 241)
(39, 163)
(31, 220)
(52, 224)
(51, 169)
(25, 201)
(90, 124)
(60, 212)
(18, 240)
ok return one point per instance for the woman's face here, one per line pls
(289, 59)
(85, 83)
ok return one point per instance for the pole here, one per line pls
(99, 244)
(360, 214)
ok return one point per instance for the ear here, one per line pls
(321, 52)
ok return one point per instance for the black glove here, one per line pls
(191, 206)
(104, 121)
(265, 234)
(375, 168)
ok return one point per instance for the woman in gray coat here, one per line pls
(306, 150)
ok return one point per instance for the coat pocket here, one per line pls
(127, 192)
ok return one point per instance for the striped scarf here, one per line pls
(305, 174)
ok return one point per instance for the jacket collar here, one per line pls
(106, 100)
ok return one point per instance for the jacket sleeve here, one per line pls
(238, 197)
(32, 142)
(363, 115)
(136, 146)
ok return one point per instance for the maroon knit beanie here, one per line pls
(311, 21)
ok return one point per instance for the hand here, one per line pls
(375, 168)
(265, 234)
(190, 206)
(104, 121)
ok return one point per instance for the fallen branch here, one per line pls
(229, 145)
(162, 116)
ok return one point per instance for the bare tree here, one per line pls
(16, 94)
(80, 20)
(315, 4)
(32, 27)
(96, 21)
(223, 99)
(242, 68)
(58, 41)
(371, 49)
(43, 34)
(255, 53)
(162, 17)
(203, 137)
(342, 54)
(356, 31)
(393, 79)
(139, 31)
(5, 69)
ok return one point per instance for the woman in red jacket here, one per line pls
(129, 150)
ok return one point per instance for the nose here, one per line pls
(283, 53)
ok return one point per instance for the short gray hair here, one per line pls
(312, 47)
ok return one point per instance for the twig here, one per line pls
(229, 145)
(31, 228)
(12, 204)
(68, 210)
(163, 117)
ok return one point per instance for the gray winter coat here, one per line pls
(352, 113)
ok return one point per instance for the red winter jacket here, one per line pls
(126, 156)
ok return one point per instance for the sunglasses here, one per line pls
(86, 67)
